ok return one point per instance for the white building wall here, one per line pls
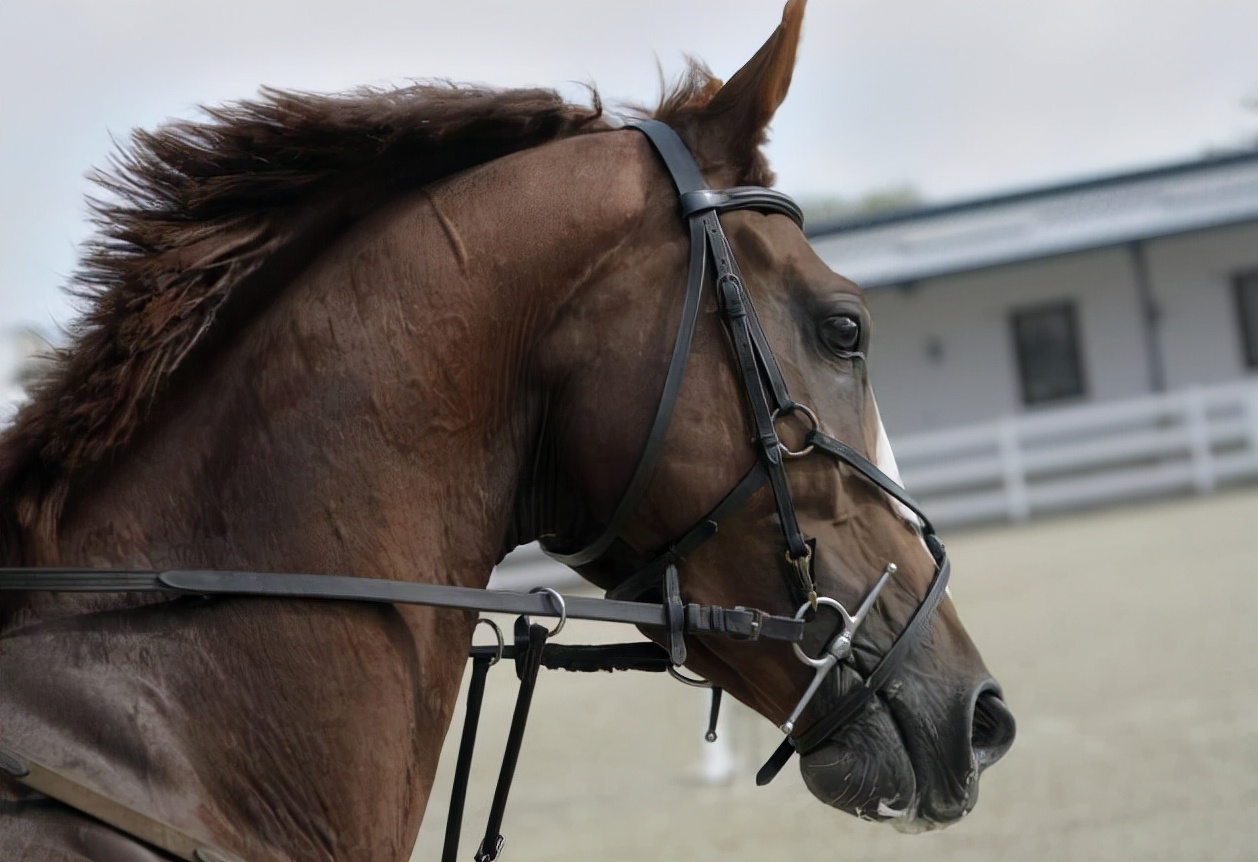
(1191, 275)
(973, 375)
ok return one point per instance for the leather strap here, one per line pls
(592, 658)
(741, 198)
(870, 471)
(737, 622)
(854, 702)
(530, 641)
(659, 426)
(700, 206)
(463, 766)
(647, 578)
(79, 796)
(675, 611)
(673, 152)
(736, 309)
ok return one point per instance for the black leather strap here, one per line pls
(659, 426)
(738, 622)
(700, 206)
(673, 152)
(463, 766)
(591, 658)
(676, 613)
(530, 641)
(647, 578)
(854, 702)
(870, 471)
(741, 198)
(734, 305)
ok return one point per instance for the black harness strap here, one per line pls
(467, 744)
(737, 622)
(648, 577)
(854, 702)
(659, 426)
(530, 641)
(700, 206)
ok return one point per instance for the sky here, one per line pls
(958, 98)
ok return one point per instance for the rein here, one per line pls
(711, 259)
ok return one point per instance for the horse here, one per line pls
(398, 333)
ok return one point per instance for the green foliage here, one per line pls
(872, 203)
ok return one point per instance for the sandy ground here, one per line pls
(1127, 645)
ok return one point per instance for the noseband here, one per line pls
(712, 259)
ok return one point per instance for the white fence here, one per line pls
(1193, 439)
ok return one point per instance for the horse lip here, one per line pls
(885, 810)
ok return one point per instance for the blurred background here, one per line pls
(1054, 210)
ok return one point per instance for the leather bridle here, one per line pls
(711, 260)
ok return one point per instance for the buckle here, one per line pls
(757, 622)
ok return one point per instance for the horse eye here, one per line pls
(841, 333)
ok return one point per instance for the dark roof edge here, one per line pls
(844, 225)
(1078, 248)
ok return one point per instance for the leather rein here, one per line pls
(711, 259)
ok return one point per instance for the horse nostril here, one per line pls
(993, 728)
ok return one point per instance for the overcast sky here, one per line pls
(957, 97)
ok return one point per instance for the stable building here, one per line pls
(1084, 313)
(1074, 294)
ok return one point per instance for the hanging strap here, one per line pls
(463, 767)
(527, 664)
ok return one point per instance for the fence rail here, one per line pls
(1194, 439)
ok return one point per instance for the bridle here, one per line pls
(711, 259)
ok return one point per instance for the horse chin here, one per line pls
(866, 771)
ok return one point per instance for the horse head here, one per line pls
(658, 492)
(396, 334)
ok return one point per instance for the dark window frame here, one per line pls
(1036, 389)
(1245, 295)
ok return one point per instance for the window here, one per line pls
(1046, 339)
(1247, 313)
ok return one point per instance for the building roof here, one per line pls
(952, 238)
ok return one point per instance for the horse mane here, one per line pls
(193, 212)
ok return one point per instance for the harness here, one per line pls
(711, 260)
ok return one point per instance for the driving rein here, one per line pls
(711, 259)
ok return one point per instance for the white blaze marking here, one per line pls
(884, 458)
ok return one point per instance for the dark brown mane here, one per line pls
(196, 209)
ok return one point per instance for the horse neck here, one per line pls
(375, 417)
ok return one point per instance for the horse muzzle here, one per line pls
(912, 759)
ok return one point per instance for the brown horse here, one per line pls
(396, 334)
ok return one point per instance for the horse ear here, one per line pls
(742, 108)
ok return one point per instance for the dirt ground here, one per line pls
(1127, 644)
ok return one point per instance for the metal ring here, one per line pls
(559, 603)
(695, 681)
(793, 407)
(497, 634)
(799, 615)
